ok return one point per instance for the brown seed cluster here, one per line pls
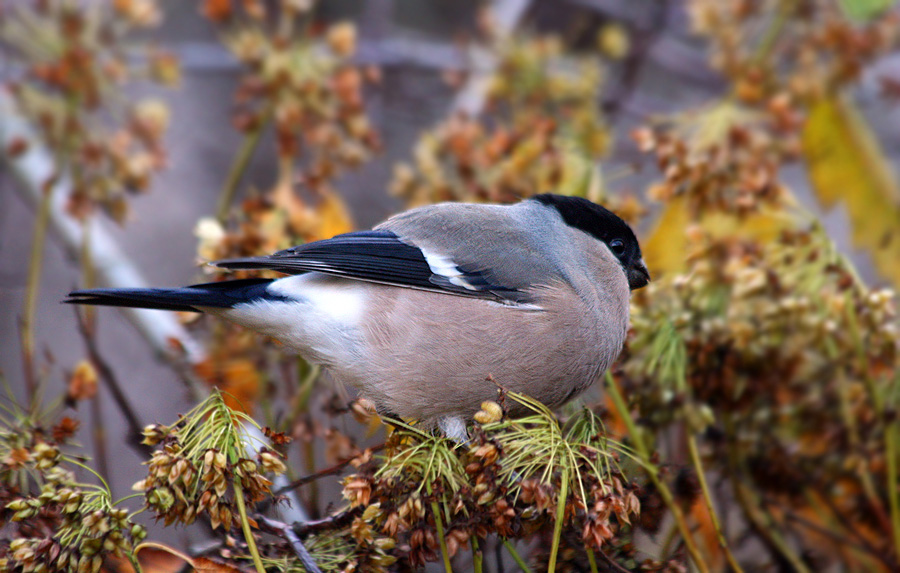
(304, 83)
(785, 361)
(726, 159)
(183, 485)
(65, 526)
(82, 540)
(493, 487)
(810, 48)
(75, 69)
(727, 156)
(545, 133)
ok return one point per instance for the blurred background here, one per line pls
(178, 132)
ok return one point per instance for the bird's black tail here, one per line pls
(220, 295)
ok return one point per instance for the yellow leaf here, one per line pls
(846, 164)
(668, 247)
(332, 216)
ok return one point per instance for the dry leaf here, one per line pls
(339, 447)
(217, 10)
(82, 383)
(205, 565)
(237, 378)
(846, 164)
(153, 558)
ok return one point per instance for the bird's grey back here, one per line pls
(516, 241)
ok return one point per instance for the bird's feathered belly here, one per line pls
(434, 355)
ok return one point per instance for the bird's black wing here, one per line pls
(380, 256)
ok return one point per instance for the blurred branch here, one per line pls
(135, 428)
(636, 59)
(330, 523)
(33, 169)
(859, 543)
(506, 16)
(644, 456)
(240, 163)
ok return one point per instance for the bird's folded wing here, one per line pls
(382, 256)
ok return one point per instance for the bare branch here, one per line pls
(284, 530)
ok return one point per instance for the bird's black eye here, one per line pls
(617, 246)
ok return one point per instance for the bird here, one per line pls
(429, 312)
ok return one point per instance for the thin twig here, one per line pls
(135, 428)
(612, 562)
(333, 470)
(868, 549)
(707, 497)
(331, 523)
(287, 533)
(643, 452)
(515, 555)
(239, 166)
(33, 285)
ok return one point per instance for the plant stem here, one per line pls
(652, 471)
(707, 497)
(560, 516)
(245, 154)
(135, 562)
(101, 456)
(782, 16)
(516, 557)
(31, 291)
(760, 521)
(245, 526)
(477, 556)
(891, 445)
(764, 526)
(592, 561)
(439, 525)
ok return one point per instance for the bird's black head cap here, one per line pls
(606, 226)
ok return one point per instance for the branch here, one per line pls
(336, 521)
(135, 428)
(33, 169)
(473, 95)
(285, 531)
(333, 470)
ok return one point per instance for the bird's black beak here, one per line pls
(638, 275)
